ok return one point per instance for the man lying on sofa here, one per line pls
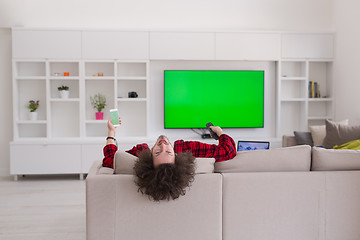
(164, 171)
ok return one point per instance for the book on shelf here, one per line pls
(313, 90)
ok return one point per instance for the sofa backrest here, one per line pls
(289, 159)
(116, 210)
(124, 164)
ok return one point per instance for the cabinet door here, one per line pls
(247, 46)
(182, 46)
(115, 45)
(91, 153)
(46, 44)
(44, 159)
(307, 46)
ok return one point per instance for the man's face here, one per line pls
(163, 151)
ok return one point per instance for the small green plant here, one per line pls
(33, 105)
(98, 102)
(65, 88)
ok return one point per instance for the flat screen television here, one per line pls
(229, 99)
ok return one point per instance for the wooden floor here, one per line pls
(42, 207)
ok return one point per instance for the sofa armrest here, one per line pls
(288, 140)
(97, 169)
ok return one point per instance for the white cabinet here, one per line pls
(115, 45)
(297, 107)
(32, 44)
(45, 159)
(90, 153)
(248, 46)
(182, 46)
(315, 46)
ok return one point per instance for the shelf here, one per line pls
(31, 122)
(320, 99)
(65, 119)
(98, 78)
(293, 100)
(30, 69)
(64, 100)
(293, 78)
(62, 67)
(293, 69)
(41, 78)
(96, 121)
(132, 78)
(107, 69)
(131, 99)
(131, 69)
(32, 130)
(74, 87)
(76, 78)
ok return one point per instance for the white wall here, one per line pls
(202, 15)
(164, 14)
(347, 60)
(5, 100)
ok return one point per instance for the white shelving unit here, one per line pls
(296, 111)
(75, 117)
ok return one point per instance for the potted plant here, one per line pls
(64, 91)
(33, 105)
(98, 102)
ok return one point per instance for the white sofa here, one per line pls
(265, 197)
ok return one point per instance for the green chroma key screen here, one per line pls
(229, 99)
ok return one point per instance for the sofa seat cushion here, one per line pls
(124, 164)
(296, 158)
(335, 160)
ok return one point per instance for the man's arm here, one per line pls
(225, 150)
(137, 149)
(110, 147)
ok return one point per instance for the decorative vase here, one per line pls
(64, 94)
(99, 115)
(33, 116)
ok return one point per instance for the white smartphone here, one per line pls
(114, 114)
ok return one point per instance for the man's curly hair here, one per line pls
(166, 181)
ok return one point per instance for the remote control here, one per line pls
(212, 133)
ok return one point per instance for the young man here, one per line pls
(164, 171)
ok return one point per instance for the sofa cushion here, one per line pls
(338, 134)
(124, 164)
(288, 141)
(303, 138)
(318, 133)
(335, 160)
(296, 158)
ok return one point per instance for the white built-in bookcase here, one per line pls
(296, 111)
(75, 117)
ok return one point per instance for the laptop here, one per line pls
(252, 145)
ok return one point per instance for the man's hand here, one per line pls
(111, 131)
(217, 130)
